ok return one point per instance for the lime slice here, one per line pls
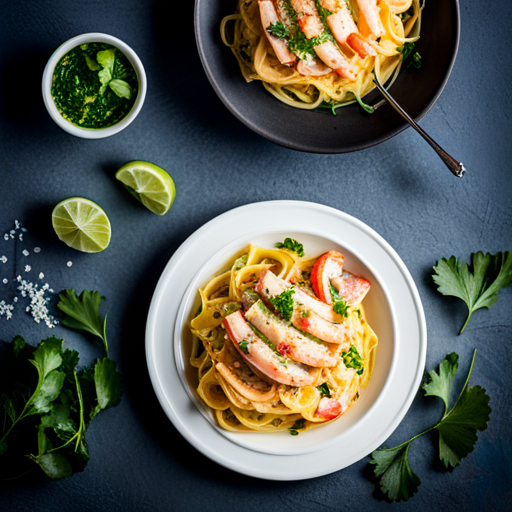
(150, 184)
(81, 224)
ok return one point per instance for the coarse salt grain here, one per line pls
(69, 263)
(28, 268)
(6, 309)
(37, 249)
(38, 302)
(41, 275)
(5, 281)
(25, 252)
(3, 259)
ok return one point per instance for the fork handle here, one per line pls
(456, 167)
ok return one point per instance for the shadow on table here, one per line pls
(180, 73)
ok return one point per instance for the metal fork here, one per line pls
(456, 167)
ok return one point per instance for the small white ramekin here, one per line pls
(93, 133)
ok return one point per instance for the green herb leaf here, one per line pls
(397, 480)
(440, 384)
(82, 313)
(278, 30)
(108, 383)
(243, 346)
(298, 425)
(324, 390)
(479, 288)
(409, 57)
(121, 88)
(458, 428)
(92, 64)
(292, 245)
(352, 359)
(106, 58)
(18, 344)
(284, 304)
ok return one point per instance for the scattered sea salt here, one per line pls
(38, 302)
(41, 275)
(6, 236)
(28, 268)
(3, 259)
(37, 249)
(6, 309)
(5, 280)
(25, 252)
(69, 263)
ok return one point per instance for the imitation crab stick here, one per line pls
(269, 17)
(327, 267)
(344, 28)
(272, 286)
(351, 288)
(329, 408)
(371, 13)
(312, 27)
(288, 341)
(259, 354)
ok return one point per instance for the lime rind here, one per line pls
(150, 184)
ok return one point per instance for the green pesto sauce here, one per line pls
(76, 88)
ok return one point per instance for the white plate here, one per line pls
(394, 311)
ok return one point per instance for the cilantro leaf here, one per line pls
(82, 313)
(292, 245)
(457, 429)
(243, 346)
(457, 432)
(479, 288)
(339, 305)
(279, 30)
(397, 480)
(284, 304)
(440, 384)
(107, 381)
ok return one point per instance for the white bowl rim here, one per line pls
(91, 133)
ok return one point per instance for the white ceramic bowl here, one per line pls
(92, 133)
(393, 307)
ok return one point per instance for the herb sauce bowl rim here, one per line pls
(93, 133)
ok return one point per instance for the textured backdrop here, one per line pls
(400, 188)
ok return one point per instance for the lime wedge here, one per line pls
(150, 184)
(81, 224)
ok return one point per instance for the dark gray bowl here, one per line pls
(351, 129)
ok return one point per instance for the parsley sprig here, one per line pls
(477, 287)
(409, 57)
(298, 425)
(279, 30)
(291, 245)
(339, 305)
(352, 359)
(283, 304)
(457, 431)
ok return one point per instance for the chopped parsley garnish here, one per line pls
(457, 431)
(292, 245)
(278, 30)
(352, 359)
(284, 304)
(409, 58)
(306, 313)
(243, 346)
(298, 425)
(263, 338)
(339, 305)
(479, 288)
(324, 390)
(358, 311)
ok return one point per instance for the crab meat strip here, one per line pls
(288, 341)
(262, 356)
(269, 17)
(370, 11)
(312, 68)
(312, 26)
(270, 285)
(344, 29)
(317, 326)
(327, 266)
(351, 288)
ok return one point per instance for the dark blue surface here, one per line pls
(400, 188)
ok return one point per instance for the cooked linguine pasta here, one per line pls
(321, 53)
(281, 342)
